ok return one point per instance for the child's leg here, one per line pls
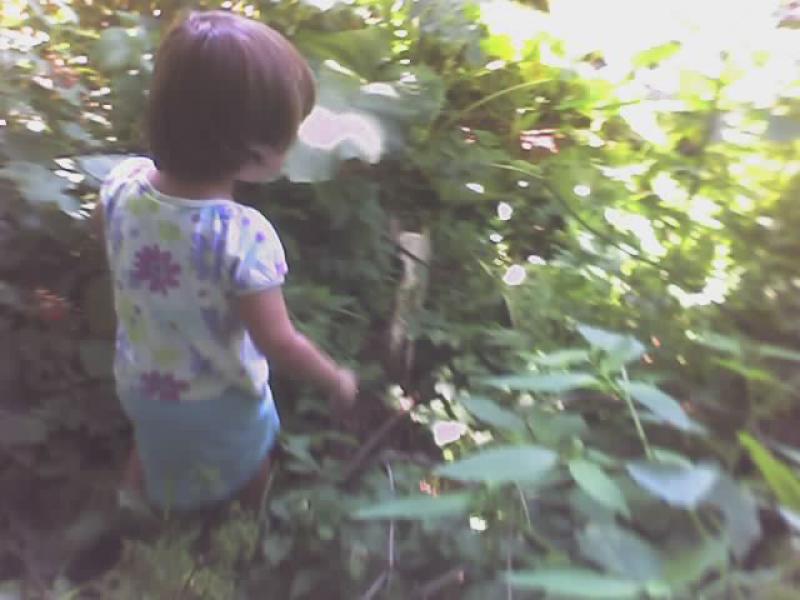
(133, 476)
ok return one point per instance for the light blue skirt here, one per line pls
(195, 454)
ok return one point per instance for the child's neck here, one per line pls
(172, 186)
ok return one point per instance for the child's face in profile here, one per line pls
(266, 169)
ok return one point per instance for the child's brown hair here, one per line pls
(222, 84)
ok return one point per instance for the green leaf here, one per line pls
(678, 485)
(550, 383)
(624, 348)
(576, 583)
(362, 50)
(492, 413)
(563, 358)
(783, 482)
(740, 511)
(599, 486)
(116, 49)
(39, 185)
(417, 507)
(688, 564)
(652, 56)
(660, 404)
(721, 343)
(502, 464)
(620, 552)
(277, 547)
(769, 351)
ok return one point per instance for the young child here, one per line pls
(197, 277)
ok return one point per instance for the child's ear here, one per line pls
(265, 165)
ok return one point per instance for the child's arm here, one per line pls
(268, 322)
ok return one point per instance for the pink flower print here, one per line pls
(156, 268)
(163, 386)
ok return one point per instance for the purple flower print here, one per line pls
(156, 268)
(281, 269)
(163, 386)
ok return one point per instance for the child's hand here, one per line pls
(344, 391)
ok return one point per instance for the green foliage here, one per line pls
(611, 301)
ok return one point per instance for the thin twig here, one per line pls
(626, 394)
(509, 591)
(376, 586)
(391, 523)
(524, 503)
(366, 451)
(453, 576)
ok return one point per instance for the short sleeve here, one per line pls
(258, 258)
(122, 173)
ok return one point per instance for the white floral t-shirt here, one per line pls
(177, 267)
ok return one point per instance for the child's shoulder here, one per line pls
(124, 171)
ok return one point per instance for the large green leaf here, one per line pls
(502, 464)
(492, 413)
(599, 486)
(740, 511)
(770, 351)
(620, 552)
(550, 383)
(362, 50)
(417, 507)
(563, 358)
(783, 482)
(576, 583)
(679, 485)
(660, 404)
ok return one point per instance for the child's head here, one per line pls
(227, 99)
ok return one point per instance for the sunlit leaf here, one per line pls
(502, 464)
(576, 583)
(619, 551)
(722, 343)
(599, 486)
(623, 348)
(660, 404)
(783, 482)
(681, 486)
(492, 413)
(550, 383)
(417, 507)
